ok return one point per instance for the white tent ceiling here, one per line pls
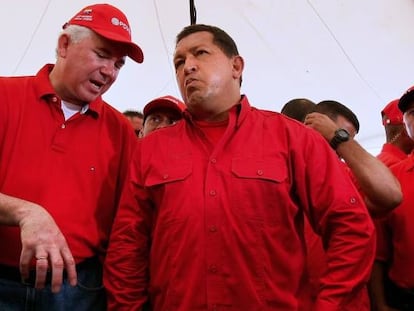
(358, 52)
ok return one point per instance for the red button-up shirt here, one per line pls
(204, 227)
(75, 169)
(396, 231)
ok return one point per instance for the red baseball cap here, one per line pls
(167, 102)
(406, 99)
(109, 22)
(391, 115)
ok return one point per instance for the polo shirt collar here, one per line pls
(44, 89)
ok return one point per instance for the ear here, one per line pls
(141, 133)
(238, 66)
(62, 46)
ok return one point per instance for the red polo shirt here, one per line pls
(203, 227)
(391, 154)
(74, 169)
(396, 232)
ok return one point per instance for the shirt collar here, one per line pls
(241, 109)
(44, 90)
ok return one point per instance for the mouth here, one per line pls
(97, 84)
(189, 81)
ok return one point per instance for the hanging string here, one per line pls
(34, 32)
(193, 13)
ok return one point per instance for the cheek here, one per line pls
(179, 77)
(216, 80)
(409, 126)
(410, 131)
(180, 82)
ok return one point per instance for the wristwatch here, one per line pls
(340, 136)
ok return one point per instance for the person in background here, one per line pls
(298, 108)
(379, 188)
(64, 154)
(339, 125)
(211, 217)
(392, 279)
(136, 119)
(161, 112)
(398, 144)
(397, 147)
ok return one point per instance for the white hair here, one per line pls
(76, 33)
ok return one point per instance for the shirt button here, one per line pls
(54, 99)
(212, 193)
(213, 229)
(213, 269)
(165, 176)
(353, 200)
(63, 126)
(259, 172)
(213, 161)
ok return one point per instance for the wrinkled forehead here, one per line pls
(193, 41)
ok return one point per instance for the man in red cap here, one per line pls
(161, 112)
(63, 158)
(398, 144)
(392, 280)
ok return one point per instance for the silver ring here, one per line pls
(41, 257)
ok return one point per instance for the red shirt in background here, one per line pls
(396, 231)
(391, 154)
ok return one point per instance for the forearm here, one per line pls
(349, 259)
(376, 181)
(126, 271)
(127, 259)
(13, 210)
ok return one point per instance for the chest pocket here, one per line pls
(166, 174)
(168, 189)
(268, 170)
(259, 188)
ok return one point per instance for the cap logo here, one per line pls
(86, 15)
(116, 22)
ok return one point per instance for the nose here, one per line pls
(109, 69)
(190, 65)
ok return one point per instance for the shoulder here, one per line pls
(280, 124)
(403, 167)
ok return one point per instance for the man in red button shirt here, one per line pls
(63, 159)
(212, 215)
(378, 186)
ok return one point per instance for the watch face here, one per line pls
(342, 134)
